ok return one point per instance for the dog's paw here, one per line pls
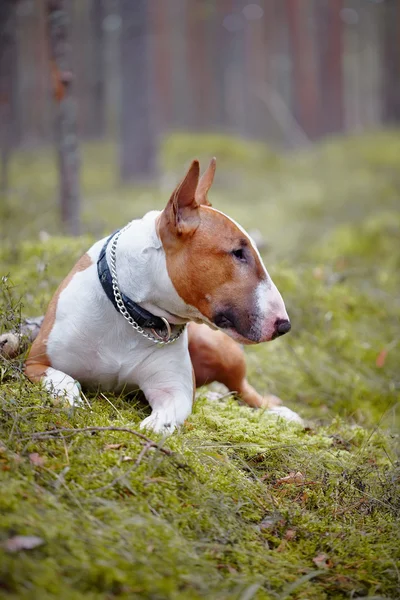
(270, 401)
(10, 344)
(68, 396)
(285, 413)
(159, 422)
(213, 396)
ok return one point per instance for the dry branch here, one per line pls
(73, 431)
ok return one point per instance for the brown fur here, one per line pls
(188, 229)
(216, 357)
(205, 182)
(38, 360)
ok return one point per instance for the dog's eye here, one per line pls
(239, 254)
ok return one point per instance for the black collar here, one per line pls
(141, 316)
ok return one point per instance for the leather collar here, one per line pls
(142, 317)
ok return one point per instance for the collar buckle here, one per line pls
(163, 338)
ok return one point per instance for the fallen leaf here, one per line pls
(36, 459)
(114, 446)
(323, 561)
(293, 477)
(290, 534)
(381, 358)
(22, 542)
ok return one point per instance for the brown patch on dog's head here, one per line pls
(214, 265)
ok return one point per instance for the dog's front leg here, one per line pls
(59, 384)
(168, 384)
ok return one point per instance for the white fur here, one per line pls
(287, 414)
(94, 344)
(61, 385)
(270, 305)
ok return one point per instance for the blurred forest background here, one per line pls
(285, 72)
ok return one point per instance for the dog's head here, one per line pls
(215, 266)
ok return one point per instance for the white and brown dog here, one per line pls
(118, 321)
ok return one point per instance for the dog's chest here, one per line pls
(90, 339)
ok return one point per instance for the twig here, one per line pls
(143, 451)
(72, 431)
(86, 400)
(109, 402)
(66, 450)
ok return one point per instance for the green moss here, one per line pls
(215, 519)
(232, 153)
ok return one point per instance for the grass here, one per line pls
(217, 519)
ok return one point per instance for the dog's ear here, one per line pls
(205, 183)
(181, 212)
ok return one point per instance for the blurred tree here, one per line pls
(162, 65)
(180, 70)
(138, 152)
(391, 75)
(305, 85)
(88, 56)
(283, 70)
(200, 67)
(66, 136)
(222, 60)
(330, 51)
(98, 120)
(7, 85)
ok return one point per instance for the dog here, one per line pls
(119, 319)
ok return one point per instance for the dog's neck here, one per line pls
(142, 272)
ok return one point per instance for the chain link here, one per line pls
(120, 303)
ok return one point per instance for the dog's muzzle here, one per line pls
(282, 326)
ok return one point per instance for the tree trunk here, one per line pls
(391, 84)
(305, 88)
(66, 136)
(98, 121)
(138, 155)
(7, 80)
(330, 47)
(163, 92)
(222, 58)
(199, 73)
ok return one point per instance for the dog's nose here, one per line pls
(282, 326)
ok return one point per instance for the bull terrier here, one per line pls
(119, 319)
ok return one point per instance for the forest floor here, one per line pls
(241, 505)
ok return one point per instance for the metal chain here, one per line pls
(120, 303)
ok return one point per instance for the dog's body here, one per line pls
(187, 263)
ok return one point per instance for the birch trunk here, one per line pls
(65, 125)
